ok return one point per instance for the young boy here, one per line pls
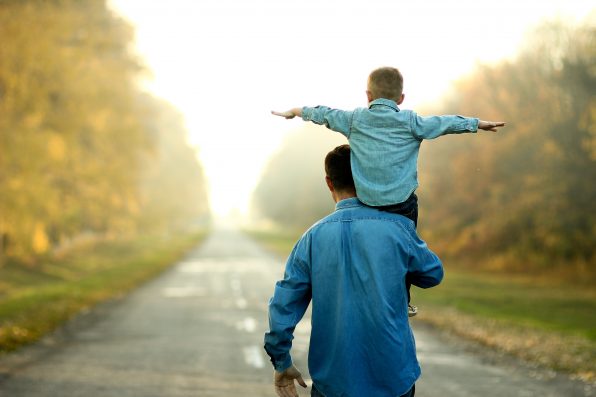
(385, 141)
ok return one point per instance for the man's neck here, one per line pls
(343, 195)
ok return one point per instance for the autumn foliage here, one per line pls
(520, 199)
(82, 148)
(526, 196)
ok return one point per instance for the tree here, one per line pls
(74, 130)
(292, 190)
(520, 197)
(173, 186)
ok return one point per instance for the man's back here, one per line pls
(355, 261)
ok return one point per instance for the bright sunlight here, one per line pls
(225, 64)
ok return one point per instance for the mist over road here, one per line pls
(197, 330)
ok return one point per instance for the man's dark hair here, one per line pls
(338, 169)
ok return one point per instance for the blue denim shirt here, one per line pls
(385, 142)
(353, 265)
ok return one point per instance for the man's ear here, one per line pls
(369, 96)
(401, 99)
(329, 184)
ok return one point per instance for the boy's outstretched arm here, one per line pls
(289, 114)
(490, 125)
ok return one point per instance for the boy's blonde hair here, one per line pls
(386, 82)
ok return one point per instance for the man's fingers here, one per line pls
(280, 391)
(284, 382)
(301, 382)
(286, 391)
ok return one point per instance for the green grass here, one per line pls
(516, 300)
(547, 321)
(35, 300)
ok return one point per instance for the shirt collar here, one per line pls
(385, 102)
(348, 203)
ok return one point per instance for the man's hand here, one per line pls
(284, 382)
(289, 114)
(490, 125)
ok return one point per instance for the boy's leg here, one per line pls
(409, 209)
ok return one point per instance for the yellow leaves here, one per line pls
(99, 120)
(116, 200)
(40, 241)
(588, 122)
(73, 131)
(552, 150)
(33, 120)
(56, 147)
(15, 183)
(133, 205)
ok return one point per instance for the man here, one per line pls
(352, 264)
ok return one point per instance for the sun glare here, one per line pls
(225, 64)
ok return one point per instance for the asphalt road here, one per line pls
(197, 331)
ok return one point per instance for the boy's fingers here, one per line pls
(498, 124)
(491, 125)
(287, 115)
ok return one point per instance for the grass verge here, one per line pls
(35, 300)
(546, 322)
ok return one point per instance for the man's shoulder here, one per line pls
(359, 212)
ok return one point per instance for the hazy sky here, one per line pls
(226, 63)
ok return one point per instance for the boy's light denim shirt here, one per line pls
(353, 265)
(385, 141)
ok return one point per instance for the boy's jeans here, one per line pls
(315, 393)
(409, 209)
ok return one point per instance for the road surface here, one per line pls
(197, 330)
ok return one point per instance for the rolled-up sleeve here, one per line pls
(434, 126)
(290, 300)
(334, 119)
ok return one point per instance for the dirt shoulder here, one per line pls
(572, 355)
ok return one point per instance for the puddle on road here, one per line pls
(249, 324)
(253, 356)
(241, 303)
(183, 292)
(225, 265)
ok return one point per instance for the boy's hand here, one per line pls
(284, 382)
(490, 125)
(289, 114)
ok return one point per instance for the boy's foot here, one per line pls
(412, 310)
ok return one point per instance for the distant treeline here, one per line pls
(522, 198)
(83, 151)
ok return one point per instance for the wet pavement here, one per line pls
(197, 330)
